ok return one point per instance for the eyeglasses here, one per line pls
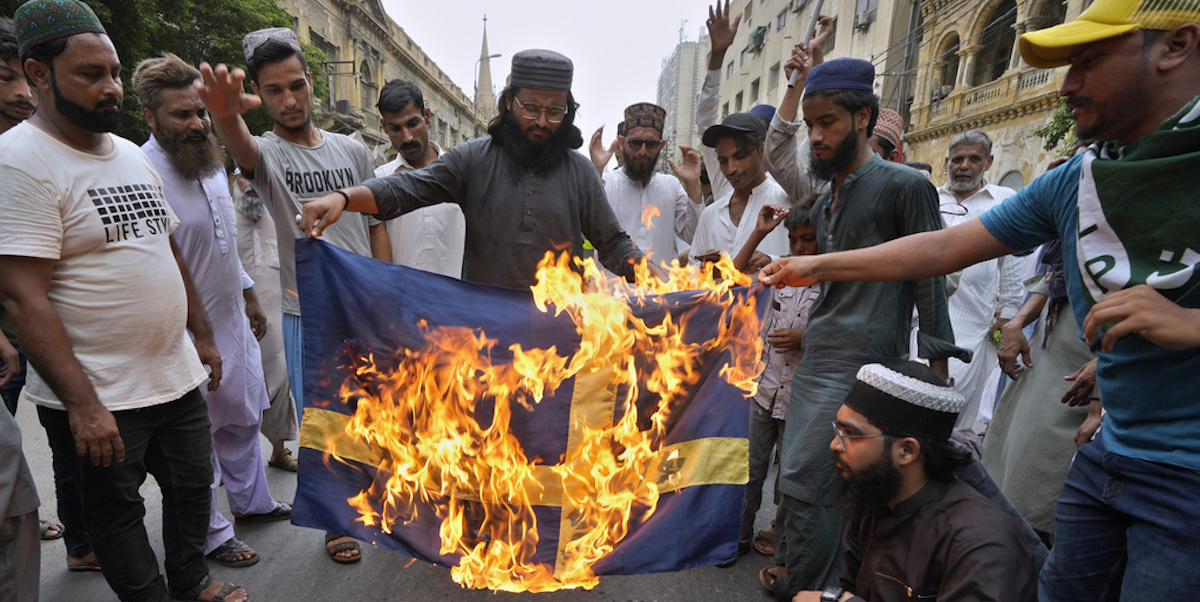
(953, 209)
(532, 110)
(637, 143)
(842, 436)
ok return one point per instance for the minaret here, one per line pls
(485, 96)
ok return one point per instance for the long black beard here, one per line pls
(868, 489)
(92, 120)
(534, 156)
(192, 158)
(828, 169)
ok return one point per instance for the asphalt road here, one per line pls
(295, 568)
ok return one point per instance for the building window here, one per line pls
(1013, 179)
(781, 20)
(996, 43)
(725, 111)
(773, 78)
(947, 73)
(754, 92)
(729, 70)
(832, 41)
(737, 103)
(747, 54)
(746, 14)
(368, 89)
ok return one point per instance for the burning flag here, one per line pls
(532, 440)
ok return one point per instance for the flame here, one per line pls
(444, 449)
(648, 215)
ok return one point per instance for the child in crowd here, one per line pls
(783, 329)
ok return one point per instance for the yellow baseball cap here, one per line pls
(1105, 19)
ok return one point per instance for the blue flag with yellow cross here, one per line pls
(530, 442)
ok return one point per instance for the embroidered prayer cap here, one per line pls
(889, 125)
(764, 111)
(733, 125)
(1051, 47)
(841, 74)
(907, 397)
(645, 115)
(41, 21)
(539, 69)
(257, 38)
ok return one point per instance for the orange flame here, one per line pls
(648, 215)
(423, 418)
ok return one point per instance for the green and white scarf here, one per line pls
(1139, 211)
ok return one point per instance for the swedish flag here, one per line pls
(353, 306)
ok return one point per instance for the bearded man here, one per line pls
(990, 292)
(869, 201)
(522, 189)
(915, 529)
(185, 153)
(652, 207)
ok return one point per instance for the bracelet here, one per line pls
(344, 196)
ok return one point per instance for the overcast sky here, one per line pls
(618, 46)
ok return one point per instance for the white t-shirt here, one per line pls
(431, 238)
(717, 232)
(115, 284)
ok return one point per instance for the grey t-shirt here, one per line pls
(290, 175)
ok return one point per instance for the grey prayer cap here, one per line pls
(538, 69)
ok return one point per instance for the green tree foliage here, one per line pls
(196, 30)
(1059, 132)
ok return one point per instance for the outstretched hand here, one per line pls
(1143, 311)
(790, 271)
(720, 30)
(222, 93)
(320, 213)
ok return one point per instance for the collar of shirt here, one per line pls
(944, 190)
(402, 164)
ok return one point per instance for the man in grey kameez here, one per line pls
(522, 189)
(870, 201)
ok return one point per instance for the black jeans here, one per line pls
(171, 440)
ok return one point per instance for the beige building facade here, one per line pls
(971, 76)
(364, 49)
(945, 65)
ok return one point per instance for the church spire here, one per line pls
(485, 95)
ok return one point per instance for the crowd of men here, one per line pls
(151, 316)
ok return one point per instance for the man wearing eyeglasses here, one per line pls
(988, 293)
(522, 189)
(916, 531)
(653, 208)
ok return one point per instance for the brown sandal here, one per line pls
(335, 543)
(284, 461)
(769, 575)
(764, 542)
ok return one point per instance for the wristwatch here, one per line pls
(832, 594)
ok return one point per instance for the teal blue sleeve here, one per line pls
(1038, 212)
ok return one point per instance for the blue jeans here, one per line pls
(172, 440)
(293, 351)
(1125, 529)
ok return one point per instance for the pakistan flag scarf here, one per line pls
(1139, 211)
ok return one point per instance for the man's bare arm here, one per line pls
(226, 100)
(912, 257)
(381, 244)
(24, 291)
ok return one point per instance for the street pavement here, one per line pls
(295, 568)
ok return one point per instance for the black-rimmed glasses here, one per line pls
(531, 111)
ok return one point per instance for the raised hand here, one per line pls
(769, 217)
(720, 30)
(600, 155)
(689, 170)
(222, 93)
